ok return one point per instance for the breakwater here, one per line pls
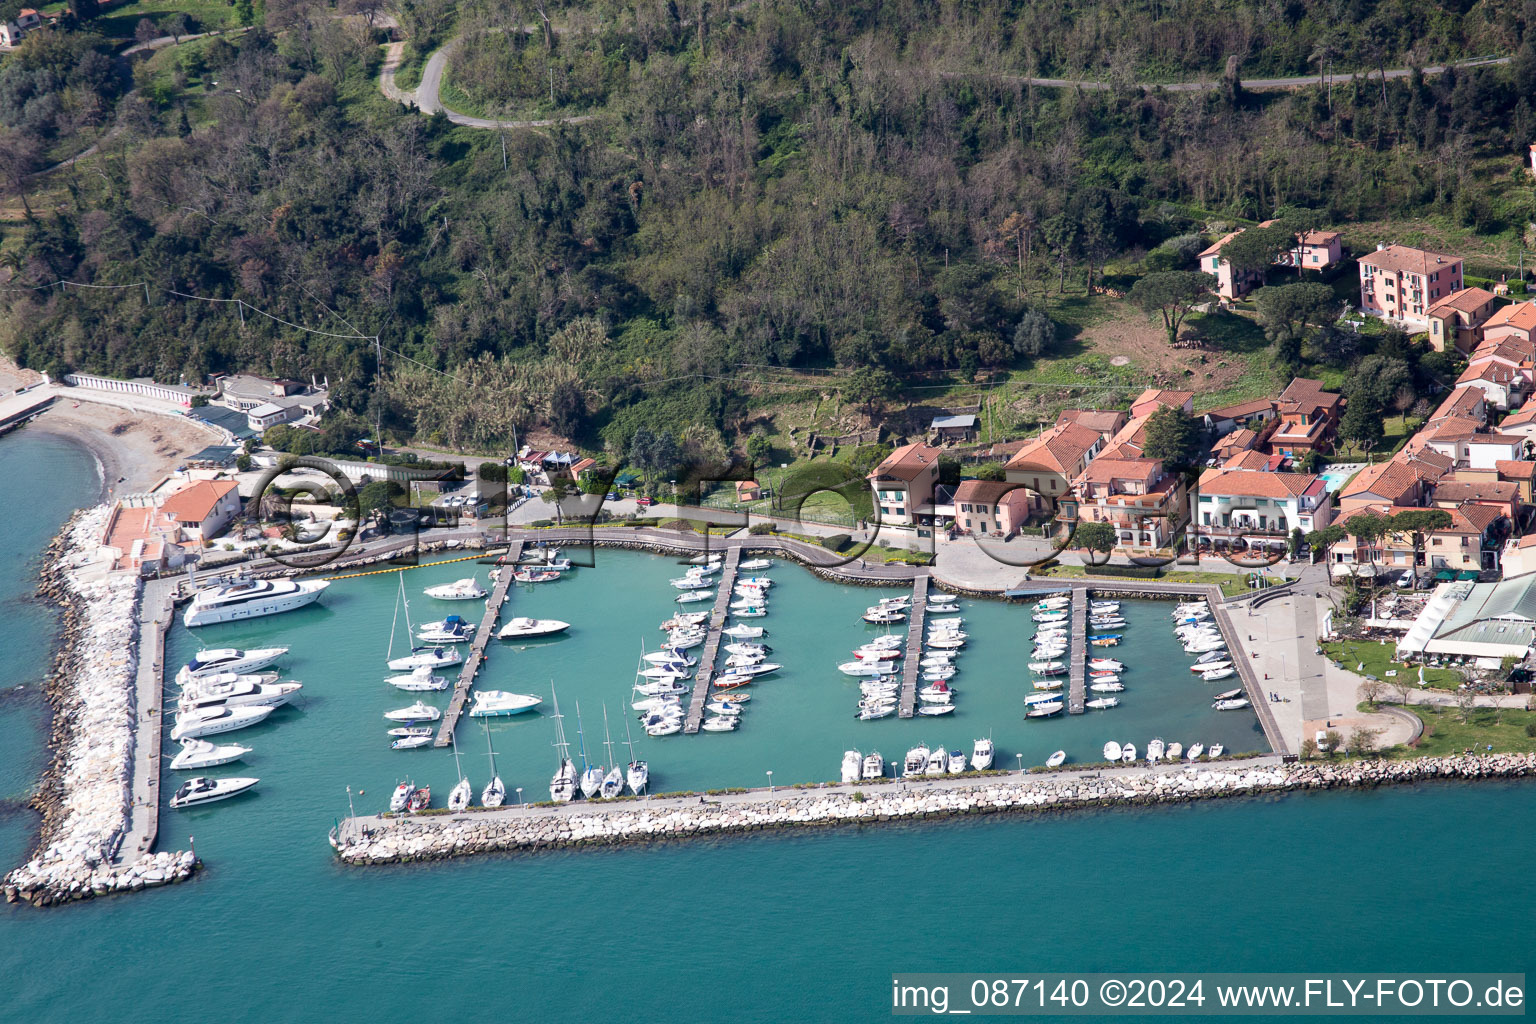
(435, 837)
(85, 796)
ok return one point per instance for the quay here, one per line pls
(17, 407)
(712, 641)
(1077, 690)
(915, 621)
(157, 609)
(477, 646)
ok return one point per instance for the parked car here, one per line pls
(1406, 579)
(644, 502)
(613, 496)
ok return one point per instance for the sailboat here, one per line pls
(591, 774)
(613, 783)
(495, 791)
(562, 788)
(419, 657)
(639, 773)
(463, 792)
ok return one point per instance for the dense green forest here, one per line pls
(781, 183)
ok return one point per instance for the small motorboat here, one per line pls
(455, 629)
(723, 706)
(1111, 685)
(1128, 753)
(1155, 750)
(499, 703)
(402, 731)
(884, 616)
(1210, 666)
(523, 628)
(749, 613)
(428, 658)
(720, 723)
(946, 643)
(664, 673)
(982, 752)
(1216, 674)
(938, 762)
(203, 790)
(401, 795)
(747, 648)
(916, 761)
(1175, 751)
(1044, 710)
(1104, 641)
(935, 709)
(466, 589)
(411, 742)
(197, 754)
(532, 575)
(753, 564)
(743, 632)
(418, 680)
(420, 800)
(1041, 698)
(728, 682)
(1236, 704)
(693, 596)
(874, 765)
(1056, 759)
(1195, 750)
(1048, 668)
(1216, 750)
(861, 668)
(1109, 664)
(661, 687)
(692, 582)
(853, 765)
(664, 727)
(869, 714)
(1111, 751)
(1101, 703)
(1210, 656)
(418, 712)
(1048, 684)
(673, 656)
(1229, 694)
(956, 765)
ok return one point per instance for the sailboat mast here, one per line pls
(608, 739)
(581, 738)
(489, 747)
(630, 741)
(396, 620)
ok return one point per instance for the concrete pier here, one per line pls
(1077, 690)
(477, 646)
(156, 611)
(711, 650)
(915, 621)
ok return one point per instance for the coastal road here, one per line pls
(425, 97)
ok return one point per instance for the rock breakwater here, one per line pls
(415, 838)
(86, 792)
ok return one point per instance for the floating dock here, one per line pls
(915, 620)
(1077, 690)
(712, 642)
(477, 646)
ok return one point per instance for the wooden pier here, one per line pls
(717, 619)
(1077, 690)
(916, 618)
(477, 646)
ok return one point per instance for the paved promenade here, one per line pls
(156, 612)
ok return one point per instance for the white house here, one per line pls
(1238, 502)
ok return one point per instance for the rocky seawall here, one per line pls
(85, 793)
(415, 838)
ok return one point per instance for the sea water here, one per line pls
(806, 925)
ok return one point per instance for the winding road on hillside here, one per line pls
(426, 99)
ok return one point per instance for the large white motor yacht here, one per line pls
(240, 599)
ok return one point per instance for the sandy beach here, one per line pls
(135, 450)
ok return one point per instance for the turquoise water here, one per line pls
(794, 926)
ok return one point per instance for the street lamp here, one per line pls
(519, 796)
(770, 780)
(1021, 762)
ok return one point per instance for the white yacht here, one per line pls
(498, 703)
(494, 794)
(692, 596)
(428, 658)
(1111, 751)
(916, 762)
(1216, 750)
(202, 790)
(753, 564)
(218, 660)
(210, 723)
(402, 794)
(562, 787)
(467, 589)
(1155, 750)
(523, 628)
(419, 680)
(1056, 759)
(209, 696)
(938, 762)
(244, 598)
(1128, 753)
(874, 765)
(637, 774)
(853, 765)
(418, 712)
(956, 763)
(455, 629)
(981, 754)
(460, 796)
(202, 754)
(740, 631)
(1195, 750)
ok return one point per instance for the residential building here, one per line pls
(904, 481)
(1519, 556)
(1522, 421)
(1454, 491)
(991, 506)
(1232, 445)
(1401, 283)
(1456, 321)
(1470, 448)
(1229, 417)
(1523, 474)
(1466, 402)
(1309, 418)
(1314, 250)
(1236, 503)
(1049, 464)
(268, 402)
(1146, 504)
(13, 32)
(1230, 283)
(1471, 544)
(1517, 320)
(1392, 484)
(1153, 399)
(1106, 421)
(203, 509)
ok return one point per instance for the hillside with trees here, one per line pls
(778, 184)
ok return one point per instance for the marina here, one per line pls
(1077, 694)
(711, 650)
(918, 615)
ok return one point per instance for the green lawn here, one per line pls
(1377, 658)
(121, 20)
(1231, 583)
(1445, 732)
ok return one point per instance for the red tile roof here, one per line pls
(195, 502)
(1465, 300)
(1520, 315)
(907, 462)
(1248, 483)
(1060, 449)
(1407, 260)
